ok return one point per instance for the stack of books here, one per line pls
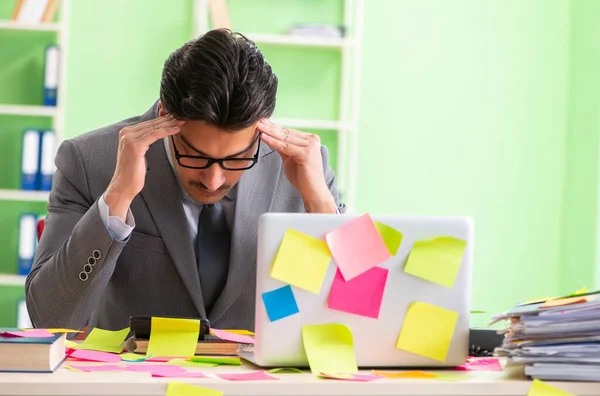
(556, 339)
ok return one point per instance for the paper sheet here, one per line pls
(329, 348)
(356, 246)
(239, 338)
(540, 388)
(173, 337)
(104, 340)
(280, 303)
(301, 261)
(94, 356)
(252, 376)
(360, 296)
(182, 389)
(391, 236)
(436, 260)
(427, 330)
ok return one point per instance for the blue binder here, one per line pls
(51, 75)
(30, 159)
(46, 164)
(27, 242)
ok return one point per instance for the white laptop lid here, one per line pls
(279, 343)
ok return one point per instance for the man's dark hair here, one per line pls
(221, 78)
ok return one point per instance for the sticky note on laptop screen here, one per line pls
(301, 261)
(356, 246)
(391, 236)
(427, 330)
(436, 260)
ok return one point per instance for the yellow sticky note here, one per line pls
(329, 348)
(173, 337)
(391, 237)
(301, 261)
(189, 363)
(231, 361)
(427, 330)
(436, 260)
(104, 340)
(182, 389)
(540, 388)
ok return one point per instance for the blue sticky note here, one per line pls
(280, 303)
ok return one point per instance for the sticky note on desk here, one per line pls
(391, 236)
(427, 330)
(104, 340)
(173, 337)
(182, 389)
(301, 261)
(540, 388)
(360, 296)
(329, 348)
(357, 246)
(436, 260)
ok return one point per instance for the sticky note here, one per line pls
(404, 374)
(37, 333)
(329, 348)
(217, 360)
(301, 261)
(101, 367)
(94, 356)
(252, 376)
(356, 246)
(239, 338)
(540, 388)
(351, 377)
(189, 363)
(132, 357)
(480, 364)
(183, 389)
(391, 236)
(62, 331)
(155, 368)
(104, 340)
(427, 330)
(360, 296)
(237, 331)
(280, 303)
(173, 337)
(436, 260)
(285, 370)
(564, 301)
(70, 344)
(177, 374)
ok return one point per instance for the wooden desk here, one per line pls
(67, 383)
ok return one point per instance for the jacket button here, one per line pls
(88, 269)
(83, 276)
(97, 254)
(91, 261)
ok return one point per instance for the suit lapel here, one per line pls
(162, 196)
(255, 194)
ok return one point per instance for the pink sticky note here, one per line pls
(176, 374)
(351, 377)
(362, 295)
(37, 333)
(239, 338)
(94, 356)
(480, 364)
(162, 359)
(251, 376)
(357, 246)
(102, 367)
(156, 368)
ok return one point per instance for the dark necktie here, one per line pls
(213, 252)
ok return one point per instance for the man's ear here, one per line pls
(161, 110)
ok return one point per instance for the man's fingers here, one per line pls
(282, 146)
(152, 135)
(164, 123)
(290, 136)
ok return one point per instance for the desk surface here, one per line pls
(66, 382)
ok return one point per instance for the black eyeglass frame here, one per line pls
(211, 161)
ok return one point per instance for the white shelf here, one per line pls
(26, 110)
(12, 280)
(22, 195)
(281, 39)
(300, 123)
(38, 27)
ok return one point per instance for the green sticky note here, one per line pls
(427, 330)
(436, 260)
(284, 370)
(173, 337)
(301, 261)
(182, 389)
(104, 340)
(540, 388)
(132, 357)
(329, 348)
(189, 363)
(391, 237)
(216, 360)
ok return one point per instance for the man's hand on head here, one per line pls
(303, 164)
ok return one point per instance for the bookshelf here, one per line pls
(349, 49)
(39, 27)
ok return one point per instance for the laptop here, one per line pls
(279, 343)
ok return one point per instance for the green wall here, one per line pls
(481, 108)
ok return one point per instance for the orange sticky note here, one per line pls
(404, 374)
(564, 301)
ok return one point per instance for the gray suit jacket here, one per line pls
(153, 272)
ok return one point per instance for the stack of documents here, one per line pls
(555, 339)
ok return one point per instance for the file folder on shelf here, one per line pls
(30, 159)
(51, 75)
(46, 165)
(27, 242)
(23, 320)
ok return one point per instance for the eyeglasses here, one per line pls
(201, 162)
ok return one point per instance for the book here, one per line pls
(24, 354)
(34, 11)
(210, 346)
(27, 242)
(46, 164)
(30, 159)
(51, 75)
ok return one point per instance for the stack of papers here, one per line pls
(555, 339)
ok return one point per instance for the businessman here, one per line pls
(157, 215)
